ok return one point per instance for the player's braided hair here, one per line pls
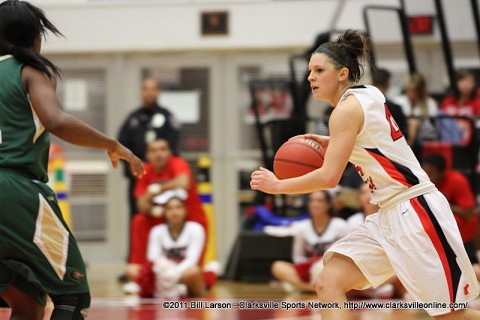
(346, 51)
(20, 25)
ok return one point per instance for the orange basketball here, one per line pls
(297, 157)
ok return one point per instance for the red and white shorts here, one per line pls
(303, 269)
(417, 240)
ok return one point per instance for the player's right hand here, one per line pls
(121, 152)
(264, 180)
(321, 140)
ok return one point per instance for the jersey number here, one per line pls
(395, 131)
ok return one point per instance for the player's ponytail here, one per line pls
(347, 51)
(20, 25)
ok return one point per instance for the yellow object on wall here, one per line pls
(58, 182)
(204, 187)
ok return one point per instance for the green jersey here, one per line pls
(24, 143)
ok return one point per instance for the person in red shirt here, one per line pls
(463, 101)
(456, 188)
(164, 172)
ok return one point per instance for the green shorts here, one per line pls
(38, 253)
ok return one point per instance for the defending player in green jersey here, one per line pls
(38, 254)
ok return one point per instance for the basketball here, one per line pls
(297, 157)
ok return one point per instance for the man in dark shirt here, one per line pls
(144, 125)
(381, 80)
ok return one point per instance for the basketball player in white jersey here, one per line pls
(414, 234)
(312, 237)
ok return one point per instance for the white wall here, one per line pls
(165, 25)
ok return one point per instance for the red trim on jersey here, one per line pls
(433, 235)
(390, 168)
(395, 131)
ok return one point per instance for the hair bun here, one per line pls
(354, 42)
(346, 51)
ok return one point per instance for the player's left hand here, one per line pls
(264, 180)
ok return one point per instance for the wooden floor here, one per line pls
(109, 302)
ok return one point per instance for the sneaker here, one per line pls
(289, 288)
(131, 287)
(122, 278)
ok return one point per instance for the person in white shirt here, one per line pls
(312, 237)
(179, 241)
(416, 103)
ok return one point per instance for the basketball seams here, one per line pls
(307, 146)
(297, 163)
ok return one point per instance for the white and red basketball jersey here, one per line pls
(185, 250)
(308, 243)
(381, 154)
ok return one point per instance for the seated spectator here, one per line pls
(457, 190)
(174, 252)
(416, 104)
(381, 80)
(312, 237)
(463, 101)
(164, 172)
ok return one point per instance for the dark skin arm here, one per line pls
(45, 103)
(144, 202)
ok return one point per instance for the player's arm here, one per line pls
(49, 110)
(345, 123)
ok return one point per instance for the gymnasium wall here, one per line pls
(109, 26)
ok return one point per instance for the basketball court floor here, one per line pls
(109, 303)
